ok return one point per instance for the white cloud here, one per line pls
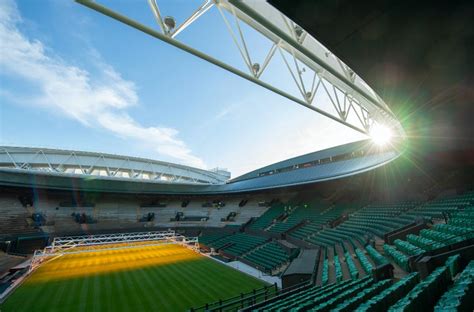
(94, 101)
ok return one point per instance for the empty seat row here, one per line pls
(319, 299)
(267, 218)
(392, 294)
(333, 300)
(376, 256)
(423, 242)
(354, 301)
(337, 268)
(366, 265)
(325, 272)
(268, 257)
(296, 298)
(400, 258)
(408, 248)
(209, 238)
(440, 236)
(425, 293)
(354, 273)
(460, 296)
(455, 230)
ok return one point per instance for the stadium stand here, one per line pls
(236, 244)
(268, 257)
(293, 217)
(350, 237)
(276, 211)
(373, 219)
(459, 296)
(437, 208)
(438, 236)
(366, 294)
(316, 218)
(108, 213)
(8, 261)
(364, 261)
(14, 216)
(210, 238)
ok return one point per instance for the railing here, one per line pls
(241, 301)
(280, 293)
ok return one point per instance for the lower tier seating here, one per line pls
(398, 257)
(365, 263)
(237, 244)
(424, 293)
(206, 239)
(460, 297)
(320, 298)
(440, 235)
(325, 272)
(376, 256)
(268, 257)
(445, 289)
(354, 273)
(389, 296)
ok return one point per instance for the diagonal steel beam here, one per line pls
(108, 12)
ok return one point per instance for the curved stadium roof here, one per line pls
(355, 105)
(59, 169)
(73, 163)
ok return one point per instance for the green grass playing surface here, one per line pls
(158, 278)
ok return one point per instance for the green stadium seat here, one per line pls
(366, 265)
(389, 296)
(460, 297)
(425, 293)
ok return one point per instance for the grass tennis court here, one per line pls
(154, 278)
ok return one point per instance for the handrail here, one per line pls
(241, 300)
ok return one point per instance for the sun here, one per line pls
(380, 134)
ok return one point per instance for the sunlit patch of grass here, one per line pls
(166, 277)
(108, 261)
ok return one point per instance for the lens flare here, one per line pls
(381, 135)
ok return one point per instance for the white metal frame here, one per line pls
(94, 243)
(356, 105)
(104, 165)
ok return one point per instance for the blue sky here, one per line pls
(72, 78)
